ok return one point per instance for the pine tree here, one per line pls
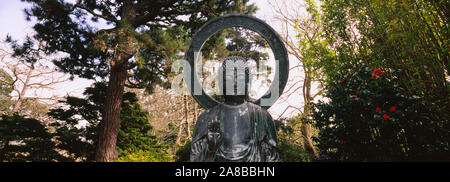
(26, 139)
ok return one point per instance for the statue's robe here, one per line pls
(243, 133)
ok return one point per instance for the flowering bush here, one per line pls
(369, 117)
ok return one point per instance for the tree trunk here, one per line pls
(306, 128)
(22, 93)
(188, 123)
(180, 129)
(307, 142)
(110, 124)
(109, 127)
(180, 132)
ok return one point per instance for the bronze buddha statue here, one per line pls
(236, 130)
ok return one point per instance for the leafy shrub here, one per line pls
(25, 139)
(290, 140)
(291, 152)
(369, 117)
(183, 153)
(145, 156)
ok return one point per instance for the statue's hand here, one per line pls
(214, 134)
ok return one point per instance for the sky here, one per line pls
(13, 23)
(265, 12)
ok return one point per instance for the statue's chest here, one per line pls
(236, 127)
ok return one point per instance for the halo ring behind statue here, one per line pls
(237, 20)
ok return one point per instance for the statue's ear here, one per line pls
(220, 81)
(248, 83)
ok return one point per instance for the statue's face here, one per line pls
(235, 77)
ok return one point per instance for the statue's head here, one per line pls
(234, 79)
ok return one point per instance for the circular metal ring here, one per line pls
(237, 20)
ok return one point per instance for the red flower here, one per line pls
(364, 160)
(357, 92)
(378, 109)
(373, 76)
(377, 71)
(385, 116)
(392, 108)
(341, 142)
(341, 80)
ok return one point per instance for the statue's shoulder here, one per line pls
(208, 114)
(259, 110)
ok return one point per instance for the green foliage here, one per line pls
(145, 156)
(76, 140)
(183, 153)
(24, 139)
(245, 43)
(406, 35)
(153, 59)
(290, 141)
(290, 152)
(369, 117)
(235, 41)
(6, 82)
(134, 134)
